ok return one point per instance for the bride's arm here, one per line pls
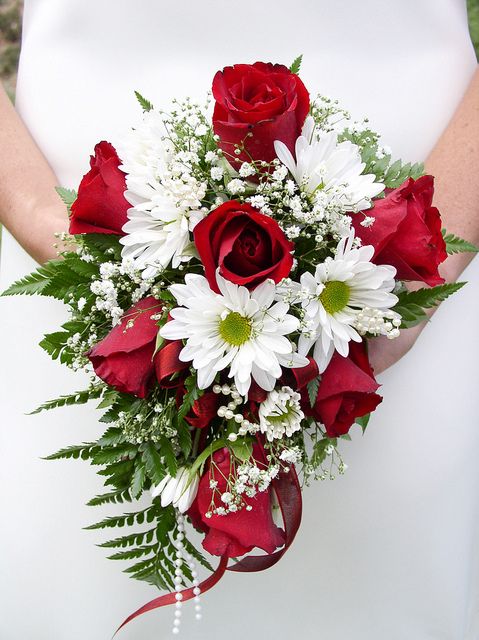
(29, 206)
(454, 162)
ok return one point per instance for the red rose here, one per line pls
(247, 246)
(237, 533)
(100, 206)
(406, 232)
(262, 99)
(346, 391)
(123, 359)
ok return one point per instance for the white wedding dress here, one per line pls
(390, 551)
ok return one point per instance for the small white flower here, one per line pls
(332, 298)
(280, 414)
(326, 167)
(177, 490)
(246, 170)
(216, 173)
(238, 329)
(290, 456)
(236, 186)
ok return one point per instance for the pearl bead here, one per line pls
(179, 604)
(232, 406)
(175, 630)
(197, 599)
(225, 390)
(238, 418)
(197, 591)
(228, 414)
(217, 388)
(221, 412)
(198, 616)
(179, 597)
(197, 607)
(232, 437)
(178, 613)
(177, 622)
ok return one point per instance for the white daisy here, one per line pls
(179, 490)
(327, 169)
(237, 329)
(280, 414)
(332, 298)
(166, 199)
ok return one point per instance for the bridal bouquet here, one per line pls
(228, 265)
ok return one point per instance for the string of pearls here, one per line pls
(229, 411)
(182, 556)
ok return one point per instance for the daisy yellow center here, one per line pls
(235, 329)
(335, 296)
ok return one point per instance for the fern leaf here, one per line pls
(68, 196)
(296, 65)
(144, 103)
(411, 304)
(112, 497)
(455, 244)
(80, 397)
(34, 283)
(154, 466)
(83, 451)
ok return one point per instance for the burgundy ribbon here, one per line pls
(170, 598)
(167, 363)
(288, 492)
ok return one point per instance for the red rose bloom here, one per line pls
(123, 359)
(247, 246)
(236, 533)
(262, 99)
(406, 232)
(100, 206)
(346, 391)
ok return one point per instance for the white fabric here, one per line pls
(388, 552)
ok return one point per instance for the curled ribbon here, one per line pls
(170, 598)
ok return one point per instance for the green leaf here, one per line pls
(120, 520)
(138, 479)
(411, 304)
(184, 438)
(55, 343)
(103, 246)
(313, 388)
(112, 497)
(35, 282)
(455, 244)
(363, 421)
(80, 397)
(242, 449)
(83, 451)
(144, 103)
(108, 455)
(168, 456)
(205, 454)
(296, 66)
(131, 539)
(154, 465)
(67, 195)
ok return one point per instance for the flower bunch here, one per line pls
(229, 264)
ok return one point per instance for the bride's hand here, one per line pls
(30, 208)
(384, 352)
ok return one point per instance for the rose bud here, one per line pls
(247, 246)
(406, 232)
(100, 206)
(257, 104)
(347, 391)
(123, 359)
(235, 533)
